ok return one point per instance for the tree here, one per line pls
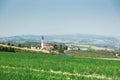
(55, 47)
(12, 44)
(6, 49)
(1, 48)
(12, 49)
(8, 44)
(19, 45)
(65, 47)
(61, 49)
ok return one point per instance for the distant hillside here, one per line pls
(96, 40)
(92, 54)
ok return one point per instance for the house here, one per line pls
(35, 47)
(69, 48)
(75, 48)
(116, 53)
(48, 46)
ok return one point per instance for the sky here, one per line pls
(49, 17)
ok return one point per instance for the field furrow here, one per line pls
(55, 72)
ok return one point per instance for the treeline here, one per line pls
(20, 44)
(7, 49)
(59, 47)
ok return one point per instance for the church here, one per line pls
(43, 45)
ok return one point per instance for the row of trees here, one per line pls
(7, 49)
(60, 48)
(24, 44)
(9, 44)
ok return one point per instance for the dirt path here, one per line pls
(118, 59)
(59, 72)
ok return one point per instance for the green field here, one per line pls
(91, 53)
(29, 66)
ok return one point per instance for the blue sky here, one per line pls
(36, 17)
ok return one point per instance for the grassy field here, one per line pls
(92, 53)
(29, 66)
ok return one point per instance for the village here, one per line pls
(64, 47)
(55, 47)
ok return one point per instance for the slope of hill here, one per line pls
(97, 40)
(91, 54)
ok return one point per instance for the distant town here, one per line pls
(58, 46)
(49, 46)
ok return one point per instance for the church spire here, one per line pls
(42, 43)
(42, 37)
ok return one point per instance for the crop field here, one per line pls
(92, 53)
(29, 66)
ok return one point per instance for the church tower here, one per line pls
(42, 43)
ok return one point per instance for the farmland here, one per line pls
(91, 53)
(29, 66)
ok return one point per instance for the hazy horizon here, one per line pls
(58, 17)
(76, 34)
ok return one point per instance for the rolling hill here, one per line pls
(96, 40)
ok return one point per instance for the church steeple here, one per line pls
(42, 37)
(42, 43)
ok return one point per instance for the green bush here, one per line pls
(7, 49)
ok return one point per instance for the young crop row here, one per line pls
(86, 68)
